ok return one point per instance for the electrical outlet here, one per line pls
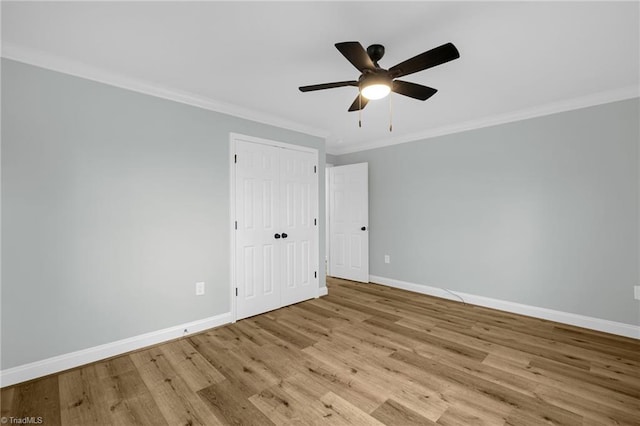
(387, 258)
(200, 288)
(636, 292)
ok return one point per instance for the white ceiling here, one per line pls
(518, 59)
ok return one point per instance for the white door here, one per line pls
(298, 223)
(275, 227)
(349, 222)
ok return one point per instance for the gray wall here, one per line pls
(331, 159)
(114, 204)
(542, 212)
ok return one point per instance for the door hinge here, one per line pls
(236, 291)
(315, 221)
(315, 169)
(236, 225)
(235, 158)
(315, 274)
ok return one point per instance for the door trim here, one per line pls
(327, 216)
(233, 139)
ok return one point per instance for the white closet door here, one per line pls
(349, 222)
(276, 243)
(299, 204)
(258, 252)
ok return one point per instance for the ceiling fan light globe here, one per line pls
(375, 91)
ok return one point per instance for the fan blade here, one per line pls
(412, 90)
(436, 56)
(359, 103)
(355, 53)
(327, 85)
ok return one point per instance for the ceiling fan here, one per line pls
(376, 82)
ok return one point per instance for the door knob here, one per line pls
(277, 236)
(364, 228)
(284, 235)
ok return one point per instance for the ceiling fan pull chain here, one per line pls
(359, 109)
(390, 114)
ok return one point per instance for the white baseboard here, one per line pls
(322, 291)
(618, 328)
(22, 373)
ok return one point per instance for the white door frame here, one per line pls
(233, 138)
(327, 238)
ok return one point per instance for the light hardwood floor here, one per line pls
(363, 355)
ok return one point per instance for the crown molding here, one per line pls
(599, 98)
(78, 69)
(56, 63)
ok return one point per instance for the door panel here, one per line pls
(268, 272)
(356, 251)
(338, 248)
(297, 180)
(349, 213)
(257, 256)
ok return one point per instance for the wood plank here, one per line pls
(350, 365)
(350, 293)
(392, 412)
(38, 400)
(231, 406)
(354, 314)
(283, 332)
(584, 335)
(525, 343)
(177, 402)
(428, 403)
(595, 411)
(583, 390)
(474, 408)
(464, 416)
(346, 412)
(560, 370)
(362, 340)
(567, 353)
(617, 372)
(408, 308)
(6, 400)
(80, 400)
(333, 377)
(303, 324)
(123, 395)
(251, 332)
(248, 377)
(497, 393)
(365, 308)
(429, 340)
(482, 371)
(383, 337)
(329, 324)
(190, 365)
(328, 313)
(290, 407)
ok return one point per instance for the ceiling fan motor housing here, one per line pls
(379, 76)
(375, 52)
